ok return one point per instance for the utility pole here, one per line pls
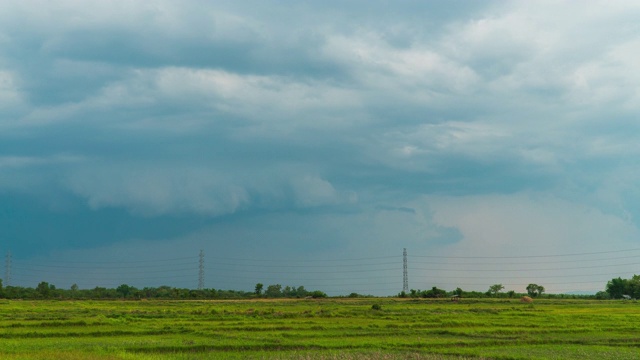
(7, 269)
(201, 272)
(405, 272)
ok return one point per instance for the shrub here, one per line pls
(317, 294)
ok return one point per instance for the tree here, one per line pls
(99, 292)
(124, 290)
(495, 289)
(258, 289)
(633, 287)
(458, 292)
(317, 294)
(534, 290)
(301, 291)
(43, 289)
(616, 287)
(434, 293)
(273, 291)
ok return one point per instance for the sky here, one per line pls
(310, 142)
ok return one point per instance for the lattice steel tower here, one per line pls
(201, 272)
(405, 272)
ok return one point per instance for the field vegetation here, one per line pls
(371, 328)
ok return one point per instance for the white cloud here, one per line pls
(153, 191)
(270, 99)
(11, 96)
(417, 73)
(164, 189)
(274, 103)
(313, 191)
(417, 148)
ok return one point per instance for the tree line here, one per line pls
(533, 290)
(616, 288)
(619, 288)
(44, 290)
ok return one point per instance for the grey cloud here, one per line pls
(334, 114)
(174, 189)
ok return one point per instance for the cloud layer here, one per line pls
(440, 117)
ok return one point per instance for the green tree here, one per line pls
(124, 290)
(534, 290)
(495, 289)
(458, 292)
(273, 291)
(317, 294)
(616, 288)
(99, 292)
(434, 293)
(301, 292)
(43, 289)
(258, 289)
(633, 287)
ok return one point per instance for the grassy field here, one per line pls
(320, 329)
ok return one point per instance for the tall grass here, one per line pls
(319, 329)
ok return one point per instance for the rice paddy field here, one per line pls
(320, 329)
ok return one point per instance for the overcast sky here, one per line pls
(135, 134)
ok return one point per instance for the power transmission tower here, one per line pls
(7, 269)
(201, 272)
(405, 272)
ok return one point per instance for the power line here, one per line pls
(306, 260)
(530, 269)
(316, 272)
(109, 262)
(303, 266)
(526, 256)
(537, 277)
(90, 270)
(45, 266)
(532, 263)
(355, 273)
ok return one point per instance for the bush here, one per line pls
(376, 307)
(317, 294)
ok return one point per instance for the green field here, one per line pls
(320, 329)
